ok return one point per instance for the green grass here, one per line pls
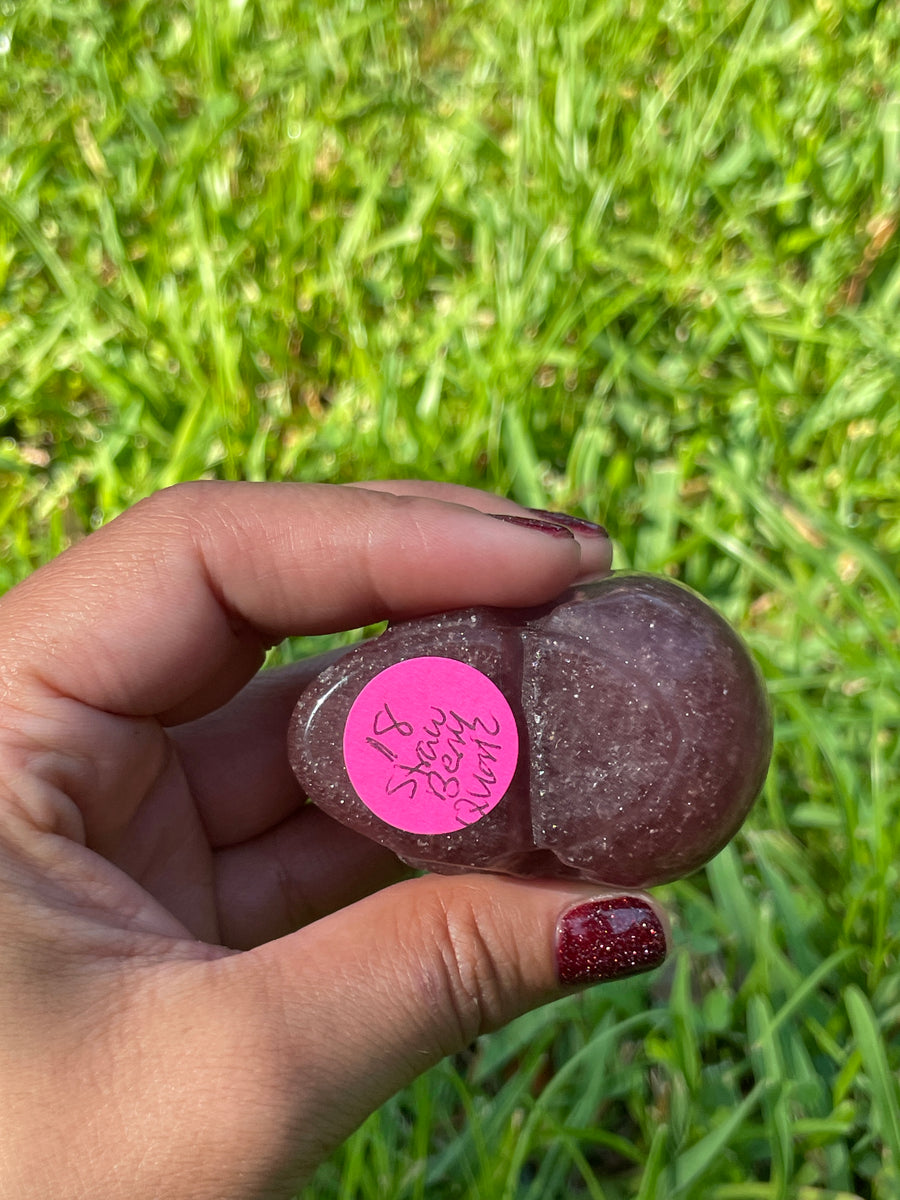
(635, 260)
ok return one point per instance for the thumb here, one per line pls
(375, 994)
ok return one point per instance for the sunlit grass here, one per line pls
(635, 260)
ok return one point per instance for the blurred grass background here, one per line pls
(635, 260)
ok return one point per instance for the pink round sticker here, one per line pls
(431, 745)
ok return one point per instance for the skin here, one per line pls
(204, 983)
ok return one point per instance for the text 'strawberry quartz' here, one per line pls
(430, 745)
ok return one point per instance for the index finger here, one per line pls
(169, 609)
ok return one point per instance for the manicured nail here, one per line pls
(576, 524)
(608, 939)
(551, 527)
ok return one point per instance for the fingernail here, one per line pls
(551, 527)
(608, 938)
(576, 524)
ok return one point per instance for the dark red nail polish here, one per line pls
(608, 939)
(551, 527)
(576, 524)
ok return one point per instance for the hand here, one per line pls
(205, 983)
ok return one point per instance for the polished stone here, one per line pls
(644, 735)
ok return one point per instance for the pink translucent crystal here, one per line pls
(642, 724)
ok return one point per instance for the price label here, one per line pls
(431, 745)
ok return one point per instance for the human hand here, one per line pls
(205, 983)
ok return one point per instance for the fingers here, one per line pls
(417, 971)
(293, 874)
(235, 759)
(169, 609)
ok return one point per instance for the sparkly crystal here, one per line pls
(644, 734)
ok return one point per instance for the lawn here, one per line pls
(635, 260)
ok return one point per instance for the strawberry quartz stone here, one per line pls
(619, 734)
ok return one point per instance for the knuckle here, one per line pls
(179, 505)
(472, 973)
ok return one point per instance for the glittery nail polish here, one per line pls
(576, 524)
(608, 938)
(554, 528)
